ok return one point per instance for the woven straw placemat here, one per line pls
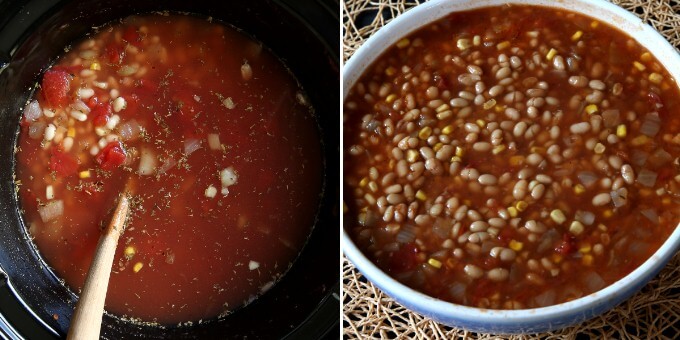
(368, 313)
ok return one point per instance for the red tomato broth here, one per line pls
(186, 254)
(415, 153)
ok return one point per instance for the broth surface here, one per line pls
(216, 139)
(512, 157)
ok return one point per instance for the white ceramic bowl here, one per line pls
(527, 320)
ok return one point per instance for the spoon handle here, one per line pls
(87, 318)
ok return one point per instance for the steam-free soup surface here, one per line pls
(214, 136)
(512, 157)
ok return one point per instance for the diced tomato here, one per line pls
(111, 156)
(132, 104)
(56, 84)
(114, 53)
(101, 113)
(567, 245)
(62, 163)
(404, 259)
(92, 102)
(131, 35)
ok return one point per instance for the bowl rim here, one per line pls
(421, 16)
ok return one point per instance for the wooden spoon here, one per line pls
(87, 318)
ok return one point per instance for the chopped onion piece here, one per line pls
(32, 111)
(546, 298)
(650, 127)
(457, 291)
(147, 162)
(168, 163)
(214, 141)
(35, 130)
(585, 217)
(610, 118)
(587, 178)
(51, 210)
(651, 215)
(659, 158)
(191, 145)
(228, 177)
(129, 130)
(619, 197)
(128, 70)
(646, 178)
(639, 157)
(594, 282)
(407, 234)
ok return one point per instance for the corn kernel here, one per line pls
(621, 131)
(587, 260)
(558, 216)
(537, 149)
(434, 263)
(425, 132)
(592, 108)
(599, 148)
(512, 211)
(138, 266)
(655, 78)
(463, 44)
(71, 132)
(557, 258)
(551, 54)
(437, 146)
(130, 252)
(498, 149)
(95, 66)
(585, 248)
(460, 151)
(576, 228)
(476, 40)
(363, 182)
(639, 140)
(489, 104)
(577, 35)
(412, 156)
(594, 24)
(421, 195)
(390, 98)
(481, 122)
(579, 189)
(373, 186)
(515, 245)
(646, 57)
(503, 45)
(516, 160)
(84, 174)
(521, 205)
(456, 159)
(608, 213)
(447, 129)
(403, 43)
(390, 71)
(639, 66)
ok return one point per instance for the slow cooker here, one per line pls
(304, 34)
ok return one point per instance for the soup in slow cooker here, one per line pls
(215, 138)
